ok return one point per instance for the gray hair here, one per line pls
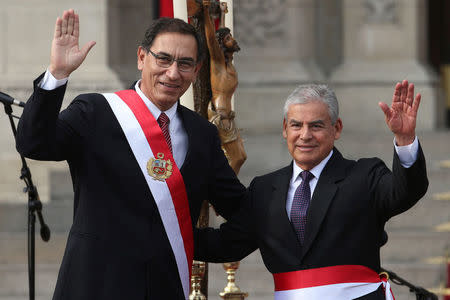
(314, 92)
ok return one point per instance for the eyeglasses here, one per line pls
(165, 61)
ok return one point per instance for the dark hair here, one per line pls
(164, 25)
(221, 33)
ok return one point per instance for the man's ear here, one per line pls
(141, 53)
(338, 126)
(284, 128)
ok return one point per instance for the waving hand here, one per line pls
(66, 56)
(401, 116)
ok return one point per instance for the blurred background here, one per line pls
(361, 48)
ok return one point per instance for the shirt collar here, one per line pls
(153, 108)
(316, 171)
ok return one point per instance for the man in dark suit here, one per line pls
(319, 222)
(140, 162)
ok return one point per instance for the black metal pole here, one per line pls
(421, 293)
(31, 253)
(34, 206)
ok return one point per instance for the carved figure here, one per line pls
(224, 81)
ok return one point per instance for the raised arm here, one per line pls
(66, 56)
(401, 116)
(401, 189)
(215, 53)
(43, 133)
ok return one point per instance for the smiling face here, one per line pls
(309, 133)
(164, 86)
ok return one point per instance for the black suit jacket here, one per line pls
(345, 224)
(117, 247)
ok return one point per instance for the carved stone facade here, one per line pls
(381, 11)
(379, 51)
(260, 22)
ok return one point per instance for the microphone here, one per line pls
(7, 99)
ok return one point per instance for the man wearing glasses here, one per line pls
(140, 162)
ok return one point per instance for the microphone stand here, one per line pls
(34, 207)
(421, 293)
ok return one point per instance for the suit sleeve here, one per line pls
(225, 190)
(45, 134)
(234, 240)
(399, 190)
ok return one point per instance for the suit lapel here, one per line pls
(323, 195)
(188, 123)
(280, 186)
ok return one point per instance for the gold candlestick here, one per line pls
(198, 271)
(232, 291)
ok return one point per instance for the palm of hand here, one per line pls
(402, 118)
(67, 52)
(66, 56)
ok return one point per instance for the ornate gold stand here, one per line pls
(198, 271)
(232, 291)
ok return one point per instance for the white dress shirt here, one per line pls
(407, 155)
(178, 135)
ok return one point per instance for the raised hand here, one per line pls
(401, 116)
(66, 56)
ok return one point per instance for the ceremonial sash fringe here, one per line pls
(147, 141)
(329, 283)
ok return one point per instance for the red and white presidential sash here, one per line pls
(161, 173)
(329, 283)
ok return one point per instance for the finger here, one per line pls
(386, 110)
(404, 91)
(58, 23)
(397, 92)
(410, 95)
(64, 22)
(87, 47)
(416, 103)
(70, 23)
(76, 26)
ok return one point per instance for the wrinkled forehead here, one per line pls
(175, 43)
(310, 111)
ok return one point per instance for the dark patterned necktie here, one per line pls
(300, 205)
(163, 122)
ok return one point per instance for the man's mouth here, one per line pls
(170, 85)
(305, 147)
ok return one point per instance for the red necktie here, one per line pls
(163, 122)
(300, 205)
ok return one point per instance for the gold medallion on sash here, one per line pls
(158, 168)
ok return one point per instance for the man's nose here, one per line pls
(305, 133)
(173, 72)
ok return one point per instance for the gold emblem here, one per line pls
(158, 168)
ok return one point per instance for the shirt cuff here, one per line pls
(50, 83)
(407, 154)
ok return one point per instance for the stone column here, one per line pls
(384, 42)
(278, 52)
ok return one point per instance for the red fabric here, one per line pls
(166, 8)
(324, 276)
(217, 23)
(163, 122)
(175, 182)
(447, 297)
